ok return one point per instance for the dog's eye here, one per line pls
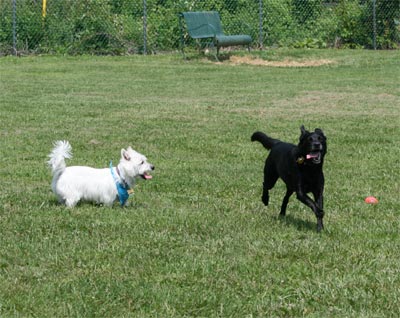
(142, 163)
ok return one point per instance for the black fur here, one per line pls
(300, 167)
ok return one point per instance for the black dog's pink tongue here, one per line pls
(312, 156)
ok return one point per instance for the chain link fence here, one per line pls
(150, 26)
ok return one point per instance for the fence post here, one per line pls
(14, 26)
(144, 27)
(260, 13)
(374, 22)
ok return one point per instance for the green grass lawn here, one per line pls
(196, 240)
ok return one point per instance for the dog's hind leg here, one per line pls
(270, 178)
(285, 201)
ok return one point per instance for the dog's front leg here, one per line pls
(319, 213)
(265, 195)
(319, 199)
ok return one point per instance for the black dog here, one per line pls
(300, 167)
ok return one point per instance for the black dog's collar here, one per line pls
(300, 160)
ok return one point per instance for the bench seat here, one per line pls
(231, 40)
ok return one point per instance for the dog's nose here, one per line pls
(317, 146)
(152, 167)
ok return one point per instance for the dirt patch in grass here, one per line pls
(238, 60)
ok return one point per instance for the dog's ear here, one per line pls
(125, 155)
(319, 132)
(304, 132)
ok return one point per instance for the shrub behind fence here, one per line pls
(150, 26)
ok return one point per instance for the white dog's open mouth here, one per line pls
(315, 156)
(146, 176)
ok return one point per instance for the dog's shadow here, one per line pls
(54, 203)
(298, 223)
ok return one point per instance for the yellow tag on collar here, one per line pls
(300, 160)
(130, 191)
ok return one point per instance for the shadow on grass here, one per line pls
(211, 57)
(298, 223)
(54, 203)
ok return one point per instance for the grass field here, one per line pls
(196, 240)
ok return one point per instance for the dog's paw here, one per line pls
(265, 199)
(320, 225)
(319, 213)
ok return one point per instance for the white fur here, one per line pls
(79, 183)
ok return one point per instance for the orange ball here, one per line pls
(371, 200)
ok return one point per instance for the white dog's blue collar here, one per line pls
(122, 188)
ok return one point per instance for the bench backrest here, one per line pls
(205, 24)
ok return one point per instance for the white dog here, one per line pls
(102, 186)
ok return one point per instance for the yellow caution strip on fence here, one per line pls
(44, 5)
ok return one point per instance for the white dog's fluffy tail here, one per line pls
(62, 150)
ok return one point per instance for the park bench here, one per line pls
(206, 25)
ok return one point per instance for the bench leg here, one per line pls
(215, 50)
(216, 56)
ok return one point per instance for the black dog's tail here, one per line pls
(266, 141)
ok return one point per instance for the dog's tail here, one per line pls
(266, 141)
(62, 150)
